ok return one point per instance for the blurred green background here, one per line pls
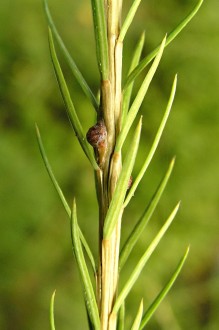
(35, 250)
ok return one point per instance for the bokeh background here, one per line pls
(35, 250)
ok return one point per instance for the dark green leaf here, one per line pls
(74, 120)
(76, 72)
(101, 37)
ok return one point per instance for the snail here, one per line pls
(97, 137)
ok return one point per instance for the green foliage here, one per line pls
(154, 146)
(99, 318)
(137, 320)
(128, 92)
(121, 318)
(89, 296)
(78, 75)
(170, 37)
(99, 22)
(139, 99)
(150, 311)
(139, 267)
(144, 219)
(116, 204)
(74, 120)
(26, 179)
(61, 195)
(129, 19)
(52, 321)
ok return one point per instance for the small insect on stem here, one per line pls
(97, 137)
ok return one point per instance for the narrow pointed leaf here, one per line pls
(128, 92)
(137, 321)
(171, 36)
(100, 37)
(89, 295)
(50, 172)
(121, 318)
(52, 320)
(61, 195)
(116, 204)
(139, 99)
(154, 145)
(129, 19)
(145, 217)
(75, 70)
(138, 269)
(74, 120)
(156, 303)
(90, 325)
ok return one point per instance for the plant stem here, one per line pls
(110, 111)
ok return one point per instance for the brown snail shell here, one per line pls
(97, 137)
